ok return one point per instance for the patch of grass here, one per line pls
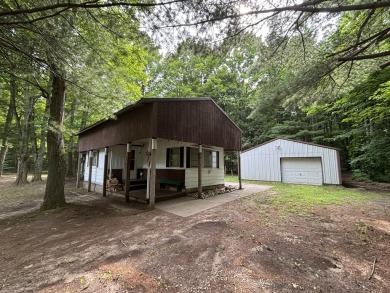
(302, 199)
(230, 178)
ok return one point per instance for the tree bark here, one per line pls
(24, 130)
(39, 152)
(55, 185)
(71, 166)
(7, 125)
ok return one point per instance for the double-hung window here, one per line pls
(210, 158)
(175, 157)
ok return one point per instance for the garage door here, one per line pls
(301, 170)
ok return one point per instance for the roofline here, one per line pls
(152, 100)
(293, 140)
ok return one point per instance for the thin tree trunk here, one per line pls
(55, 185)
(24, 130)
(84, 119)
(39, 152)
(7, 126)
(70, 165)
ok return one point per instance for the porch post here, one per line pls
(78, 170)
(128, 170)
(152, 187)
(105, 171)
(148, 170)
(239, 169)
(90, 159)
(200, 164)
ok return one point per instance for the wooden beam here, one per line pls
(152, 186)
(128, 170)
(105, 168)
(200, 164)
(78, 170)
(90, 159)
(239, 170)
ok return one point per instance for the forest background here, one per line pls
(317, 71)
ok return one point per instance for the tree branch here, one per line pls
(359, 34)
(86, 5)
(377, 36)
(304, 7)
(363, 57)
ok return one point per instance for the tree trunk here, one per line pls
(55, 185)
(24, 130)
(39, 152)
(7, 126)
(70, 165)
(84, 119)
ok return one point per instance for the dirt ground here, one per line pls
(100, 244)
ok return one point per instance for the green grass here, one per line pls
(302, 199)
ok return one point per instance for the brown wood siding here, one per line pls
(130, 126)
(199, 122)
(169, 174)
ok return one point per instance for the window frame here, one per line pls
(170, 154)
(193, 152)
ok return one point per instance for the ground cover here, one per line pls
(287, 239)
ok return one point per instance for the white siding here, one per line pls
(210, 176)
(97, 172)
(263, 162)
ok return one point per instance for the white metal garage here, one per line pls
(292, 161)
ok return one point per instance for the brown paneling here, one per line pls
(129, 126)
(197, 121)
(169, 174)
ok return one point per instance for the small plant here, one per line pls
(106, 276)
(362, 227)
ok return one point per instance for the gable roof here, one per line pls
(292, 140)
(196, 120)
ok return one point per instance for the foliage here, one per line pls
(303, 199)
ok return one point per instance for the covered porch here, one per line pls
(157, 148)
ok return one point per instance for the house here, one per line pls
(292, 161)
(158, 145)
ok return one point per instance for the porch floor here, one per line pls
(140, 194)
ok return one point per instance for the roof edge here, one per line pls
(292, 140)
(152, 100)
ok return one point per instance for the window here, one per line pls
(210, 158)
(175, 157)
(95, 160)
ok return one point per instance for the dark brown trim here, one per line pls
(181, 163)
(200, 166)
(152, 178)
(105, 169)
(339, 167)
(90, 159)
(129, 157)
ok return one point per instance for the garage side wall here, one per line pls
(263, 162)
